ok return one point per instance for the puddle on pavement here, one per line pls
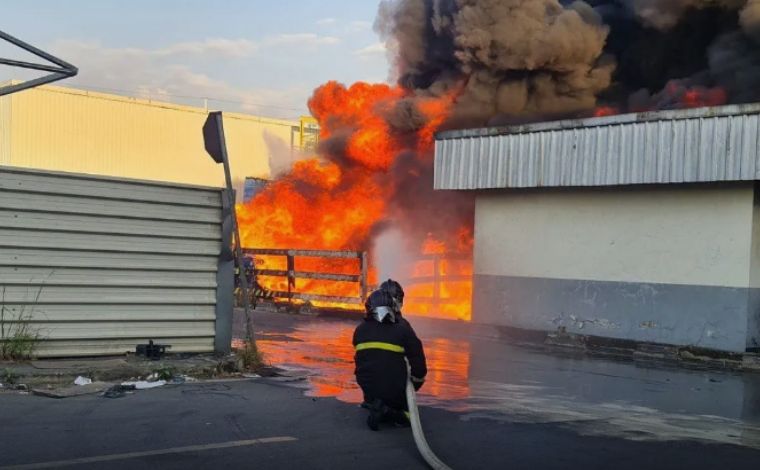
(324, 349)
(482, 378)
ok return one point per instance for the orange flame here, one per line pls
(602, 111)
(700, 97)
(675, 95)
(334, 203)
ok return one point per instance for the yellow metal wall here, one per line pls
(63, 129)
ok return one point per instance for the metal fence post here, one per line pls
(225, 283)
(291, 260)
(364, 269)
(436, 280)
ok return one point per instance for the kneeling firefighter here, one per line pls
(382, 341)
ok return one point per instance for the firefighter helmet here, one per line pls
(396, 292)
(380, 307)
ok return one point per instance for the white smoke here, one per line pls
(390, 255)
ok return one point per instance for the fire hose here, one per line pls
(419, 437)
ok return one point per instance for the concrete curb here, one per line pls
(686, 356)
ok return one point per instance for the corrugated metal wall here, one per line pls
(64, 129)
(98, 265)
(705, 145)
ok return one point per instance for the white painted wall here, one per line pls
(698, 235)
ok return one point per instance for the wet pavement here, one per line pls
(488, 404)
(478, 374)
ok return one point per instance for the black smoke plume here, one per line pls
(523, 60)
(513, 61)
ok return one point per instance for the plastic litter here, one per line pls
(82, 381)
(144, 385)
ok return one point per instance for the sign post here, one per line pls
(213, 138)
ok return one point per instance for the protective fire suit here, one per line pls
(380, 366)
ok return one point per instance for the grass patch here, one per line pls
(18, 335)
(251, 359)
(165, 373)
(9, 376)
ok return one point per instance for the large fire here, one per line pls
(675, 95)
(457, 64)
(337, 200)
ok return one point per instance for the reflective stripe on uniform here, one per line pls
(380, 345)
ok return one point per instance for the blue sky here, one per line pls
(263, 57)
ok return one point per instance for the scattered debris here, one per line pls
(144, 384)
(82, 381)
(151, 350)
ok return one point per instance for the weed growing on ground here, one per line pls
(18, 335)
(165, 372)
(9, 377)
(252, 359)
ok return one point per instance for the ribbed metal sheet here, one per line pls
(688, 146)
(98, 265)
(64, 129)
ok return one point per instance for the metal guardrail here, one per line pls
(291, 274)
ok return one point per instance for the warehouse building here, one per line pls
(638, 227)
(64, 129)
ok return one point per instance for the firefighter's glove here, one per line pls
(417, 382)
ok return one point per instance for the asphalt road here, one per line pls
(261, 424)
(487, 404)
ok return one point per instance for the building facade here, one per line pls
(639, 227)
(64, 129)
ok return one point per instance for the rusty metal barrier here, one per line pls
(291, 274)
